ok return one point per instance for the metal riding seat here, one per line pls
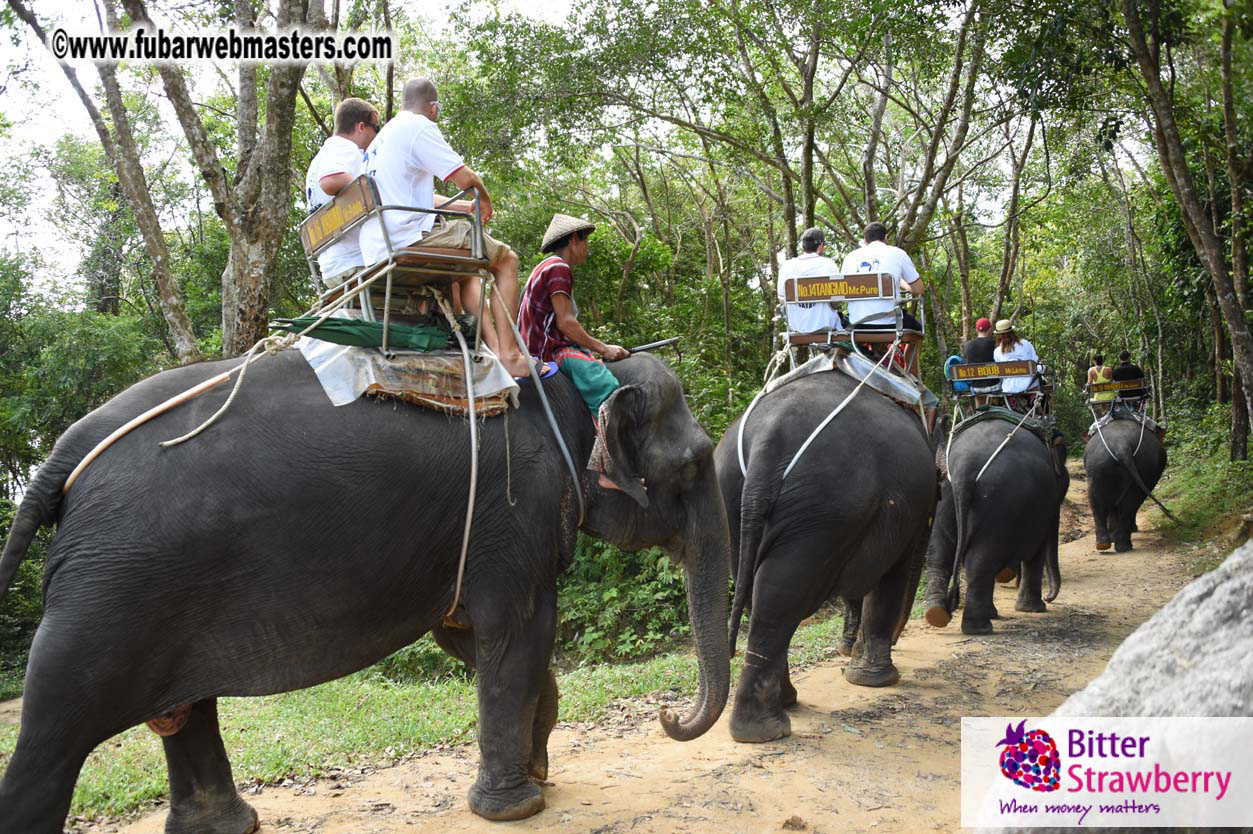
(409, 274)
(978, 393)
(841, 289)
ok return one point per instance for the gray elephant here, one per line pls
(1123, 463)
(294, 543)
(1003, 522)
(849, 520)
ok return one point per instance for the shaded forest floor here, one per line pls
(858, 759)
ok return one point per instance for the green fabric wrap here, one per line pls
(357, 333)
(594, 381)
(986, 413)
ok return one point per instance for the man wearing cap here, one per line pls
(549, 317)
(979, 350)
(812, 316)
(339, 162)
(404, 159)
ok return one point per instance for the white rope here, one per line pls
(739, 441)
(1141, 440)
(836, 412)
(272, 345)
(474, 450)
(1101, 435)
(1006, 440)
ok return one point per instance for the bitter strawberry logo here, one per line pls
(1030, 758)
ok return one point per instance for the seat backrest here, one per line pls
(837, 288)
(977, 372)
(1139, 385)
(350, 207)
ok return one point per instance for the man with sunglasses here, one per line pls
(339, 162)
(404, 160)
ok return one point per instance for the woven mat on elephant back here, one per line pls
(433, 380)
(995, 412)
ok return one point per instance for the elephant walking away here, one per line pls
(1123, 463)
(850, 519)
(295, 542)
(1004, 520)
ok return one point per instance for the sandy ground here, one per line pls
(858, 759)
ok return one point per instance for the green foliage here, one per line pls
(617, 605)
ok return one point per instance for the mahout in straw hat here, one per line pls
(562, 226)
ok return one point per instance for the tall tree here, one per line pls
(119, 145)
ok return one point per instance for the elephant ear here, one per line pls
(621, 423)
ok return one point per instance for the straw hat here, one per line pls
(562, 225)
(1004, 326)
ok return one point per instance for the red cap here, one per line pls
(983, 324)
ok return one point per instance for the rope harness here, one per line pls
(1130, 465)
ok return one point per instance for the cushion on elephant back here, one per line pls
(983, 414)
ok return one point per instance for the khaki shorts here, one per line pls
(455, 234)
(334, 281)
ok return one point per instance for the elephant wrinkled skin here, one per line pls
(295, 542)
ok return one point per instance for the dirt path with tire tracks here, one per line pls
(858, 759)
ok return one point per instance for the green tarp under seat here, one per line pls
(355, 333)
(995, 412)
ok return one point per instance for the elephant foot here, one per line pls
(756, 730)
(1120, 547)
(994, 614)
(237, 818)
(494, 799)
(1031, 606)
(1100, 545)
(1006, 576)
(846, 647)
(938, 616)
(872, 675)
(973, 628)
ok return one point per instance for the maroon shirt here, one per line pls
(536, 318)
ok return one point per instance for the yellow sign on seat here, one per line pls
(1121, 385)
(835, 288)
(992, 370)
(348, 207)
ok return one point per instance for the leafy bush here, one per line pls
(617, 605)
(1202, 486)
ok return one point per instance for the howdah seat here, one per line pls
(408, 272)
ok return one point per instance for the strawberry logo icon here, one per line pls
(1030, 758)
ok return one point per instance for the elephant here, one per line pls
(849, 520)
(997, 525)
(1123, 464)
(294, 542)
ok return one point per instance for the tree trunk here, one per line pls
(1174, 163)
(1239, 420)
(124, 156)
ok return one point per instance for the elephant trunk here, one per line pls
(705, 550)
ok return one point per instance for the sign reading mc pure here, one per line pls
(989, 370)
(834, 288)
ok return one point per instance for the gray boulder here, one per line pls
(1193, 658)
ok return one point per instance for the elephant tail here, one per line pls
(963, 499)
(40, 503)
(1128, 462)
(755, 503)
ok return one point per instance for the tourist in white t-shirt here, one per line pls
(339, 162)
(404, 159)
(809, 317)
(1010, 347)
(874, 255)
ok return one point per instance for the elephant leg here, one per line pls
(513, 662)
(62, 723)
(203, 799)
(781, 597)
(981, 573)
(1100, 517)
(545, 720)
(880, 614)
(1030, 597)
(851, 625)
(459, 643)
(787, 692)
(1126, 520)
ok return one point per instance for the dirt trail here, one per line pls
(858, 759)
